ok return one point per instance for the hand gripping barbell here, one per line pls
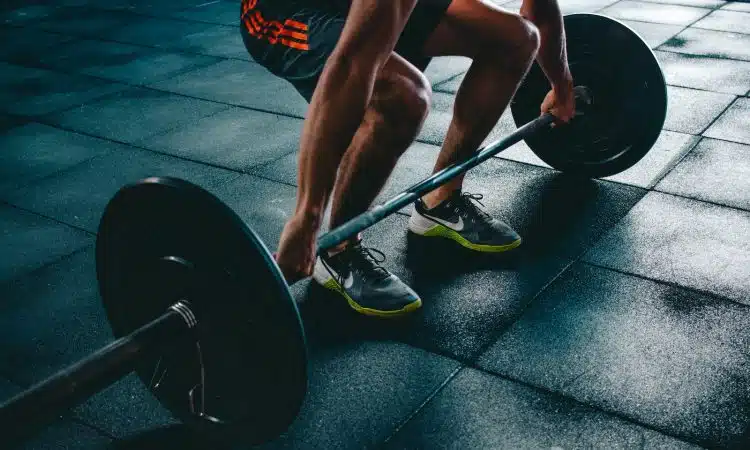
(200, 309)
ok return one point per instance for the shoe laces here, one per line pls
(366, 261)
(469, 201)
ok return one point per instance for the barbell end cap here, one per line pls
(182, 308)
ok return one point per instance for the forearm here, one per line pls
(336, 111)
(552, 56)
(341, 97)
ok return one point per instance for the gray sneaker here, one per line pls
(460, 219)
(356, 275)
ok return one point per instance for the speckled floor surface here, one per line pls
(622, 322)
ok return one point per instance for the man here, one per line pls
(359, 64)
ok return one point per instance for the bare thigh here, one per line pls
(471, 27)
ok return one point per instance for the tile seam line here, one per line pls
(610, 412)
(711, 10)
(33, 272)
(400, 212)
(44, 216)
(719, 115)
(141, 14)
(667, 170)
(657, 2)
(419, 408)
(149, 87)
(713, 295)
(104, 39)
(132, 146)
(661, 48)
(698, 200)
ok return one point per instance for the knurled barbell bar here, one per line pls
(200, 309)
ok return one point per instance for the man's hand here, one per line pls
(296, 253)
(560, 102)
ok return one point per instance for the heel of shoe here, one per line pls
(321, 275)
(418, 224)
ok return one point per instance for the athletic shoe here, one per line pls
(459, 218)
(356, 274)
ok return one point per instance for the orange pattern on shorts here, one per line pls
(290, 33)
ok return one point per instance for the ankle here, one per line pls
(437, 197)
(344, 245)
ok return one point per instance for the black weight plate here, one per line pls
(161, 240)
(629, 100)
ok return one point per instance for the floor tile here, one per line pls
(134, 114)
(264, 205)
(218, 12)
(155, 32)
(721, 20)
(83, 21)
(666, 152)
(718, 44)
(733, 124)
(682, 241)
(692, 111)
(466, 301)
(479, 410)
(655, 12)
(443, 68)
(148, 7)
(124, 409)
(61, 434)
(385, 382)
(216, 40)
(60, 299)
(29, 45)
(35, 92)
(8, 121)
(122, 62)
(654, 34)
(27, 14)
(437, 122)
(711, 74)
(78, 196)
(738, 5)
(715, 171)
(64, 435)
(35, 151)
(239, 83)
(28, 241)
(235, 138)
(566, 6)
(699, 3)
(666, 357)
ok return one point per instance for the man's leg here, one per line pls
(398, 107)
(502, 46)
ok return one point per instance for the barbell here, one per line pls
(200, 310)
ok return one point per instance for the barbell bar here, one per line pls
(200, 310)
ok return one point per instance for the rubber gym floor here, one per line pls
(623, 321)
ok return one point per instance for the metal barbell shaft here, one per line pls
(411, 194)
(35, 407)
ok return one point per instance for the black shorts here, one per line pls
(294, 38)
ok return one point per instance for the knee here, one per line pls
(517, 46)
(401, 103)
(529, 40)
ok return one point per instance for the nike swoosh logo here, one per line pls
(349, 281)
(457, 226)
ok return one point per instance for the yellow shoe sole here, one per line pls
(445, 232)
(334, 286)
